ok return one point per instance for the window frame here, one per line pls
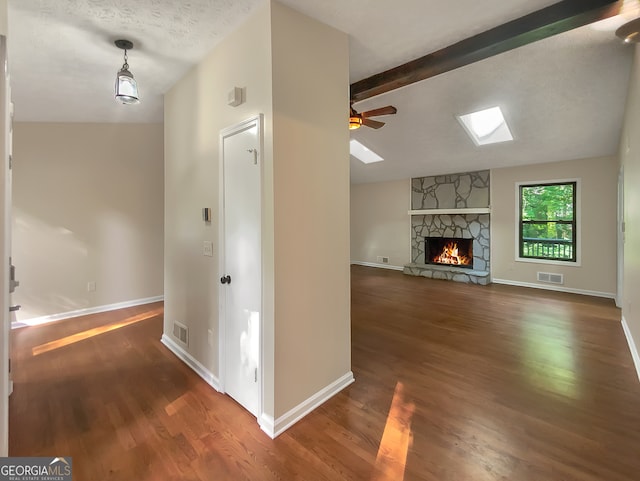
(576, 224)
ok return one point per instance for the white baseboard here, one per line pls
(192, 362)
(379, 266)
(36, 321)
(288, 419)
(632, 346)
(267, 424)
(608, 295)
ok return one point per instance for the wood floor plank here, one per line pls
(453, 383)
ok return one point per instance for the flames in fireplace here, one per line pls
(451, 255)
(450, 251)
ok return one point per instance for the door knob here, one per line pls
(225, 280)
(14, 308)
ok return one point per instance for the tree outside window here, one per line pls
(548, 221)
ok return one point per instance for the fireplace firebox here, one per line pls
(449, 251)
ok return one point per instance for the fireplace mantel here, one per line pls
(470, 210)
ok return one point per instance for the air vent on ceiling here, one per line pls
(550, 278)
(181, 332)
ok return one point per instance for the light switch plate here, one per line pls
(207, 248)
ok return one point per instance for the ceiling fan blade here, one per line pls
(388, 110)
(374, 124)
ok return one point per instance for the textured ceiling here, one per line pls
(564, 96)
(59, 45)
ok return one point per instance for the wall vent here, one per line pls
(550, 278)
(181, 332)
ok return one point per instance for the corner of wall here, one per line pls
(630, 160)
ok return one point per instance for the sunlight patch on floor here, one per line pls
(549, 354)
(175, 406)
(96, 331)
(396, 439)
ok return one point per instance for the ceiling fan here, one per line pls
(357, 120)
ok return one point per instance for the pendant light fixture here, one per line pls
(126, 86)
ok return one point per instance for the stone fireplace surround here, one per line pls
(455, 205)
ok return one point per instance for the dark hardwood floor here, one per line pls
(453, 383)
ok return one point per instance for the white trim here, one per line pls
(192, 362)
(288, 419)
(620, 240)
(36, 321)
(5, 243)
(547, 261)
(570, 290)
(632, 346)
(221, 265)
(267, 424)
(577, 215)
(461, 211)
(380, 266)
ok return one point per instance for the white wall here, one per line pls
(597, 227)
(380, 222)
(295, 72)
(630, 160)
(87, 207)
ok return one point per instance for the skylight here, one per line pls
(362, 153)
(486, 126)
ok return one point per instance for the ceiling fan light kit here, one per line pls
(630, 31)
(355, 122)
(126, 85)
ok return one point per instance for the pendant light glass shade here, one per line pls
(126, 86)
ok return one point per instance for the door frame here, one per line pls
(5, 246)
(256, 121)
(620, 241)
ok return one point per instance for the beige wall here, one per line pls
(295, 72)
(87, 206)
(630, 159)
(311, 206)
(597, 229)
(380, 223)
(3, 17)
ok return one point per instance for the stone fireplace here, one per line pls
(450, 214)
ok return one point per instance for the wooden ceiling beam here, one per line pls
(557, 18)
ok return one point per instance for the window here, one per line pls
(547, 224)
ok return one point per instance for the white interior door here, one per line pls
(241, 264)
